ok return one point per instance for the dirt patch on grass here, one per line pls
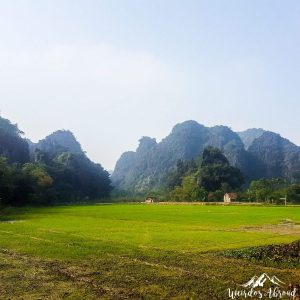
(286, 226)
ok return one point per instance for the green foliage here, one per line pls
(216, 196)
(81, 178)
(182, 169)
(39, 174)
(272, 255)
(59, 171)
(267, 189)
(22, 185)
(207, 179)
(217, 174)
(6, 182)
(75, 177)
(188, 191)
(293, 193)
(68, 177)
(213, 156)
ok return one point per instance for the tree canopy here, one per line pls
(211, 172)
(216, 172)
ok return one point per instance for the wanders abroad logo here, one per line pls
(261, 280)
(262, 287)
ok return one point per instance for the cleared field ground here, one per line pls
(137, 251)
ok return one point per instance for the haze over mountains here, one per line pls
(258, 153)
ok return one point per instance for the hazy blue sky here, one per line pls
(112, 71)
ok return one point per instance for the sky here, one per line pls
(112, 71)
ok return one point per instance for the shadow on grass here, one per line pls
(13, 213)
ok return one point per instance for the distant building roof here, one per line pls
(232, 195)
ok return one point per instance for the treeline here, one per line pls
(273, 190)
(42, 178)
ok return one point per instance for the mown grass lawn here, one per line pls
(136, 251)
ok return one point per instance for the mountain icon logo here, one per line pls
(260, 281)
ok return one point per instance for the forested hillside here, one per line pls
(54, 170)
(12, 145)
(255, 152)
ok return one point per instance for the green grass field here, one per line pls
(137, 251)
